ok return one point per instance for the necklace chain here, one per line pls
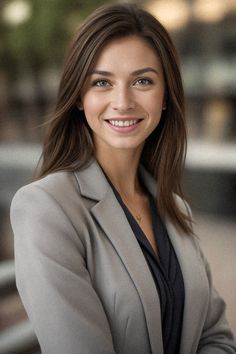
(137, 215)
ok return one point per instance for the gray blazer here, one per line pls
(85, 283)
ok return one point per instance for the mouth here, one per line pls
(123, 122)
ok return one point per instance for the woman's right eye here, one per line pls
(101, 83)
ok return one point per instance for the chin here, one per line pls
(127, 146)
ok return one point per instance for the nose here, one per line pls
(122, 99)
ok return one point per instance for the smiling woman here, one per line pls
(105, 256)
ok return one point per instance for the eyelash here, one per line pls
(98, 82)
(147, 81)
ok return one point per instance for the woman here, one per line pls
(106, 259)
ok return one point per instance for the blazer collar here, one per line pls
(109, 215)
(92, 182)
(94, 186)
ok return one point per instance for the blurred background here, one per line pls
(33, 37)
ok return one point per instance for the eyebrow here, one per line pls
(134, 73)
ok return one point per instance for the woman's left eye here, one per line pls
(144, 82)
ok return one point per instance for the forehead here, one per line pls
(131, 51)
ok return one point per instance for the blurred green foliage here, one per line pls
(41, 40)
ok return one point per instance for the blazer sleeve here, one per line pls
(52, 279)
(217, 337)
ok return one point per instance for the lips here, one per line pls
(124, 124)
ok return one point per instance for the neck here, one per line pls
(121, 168)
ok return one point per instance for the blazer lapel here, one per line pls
(112, 220)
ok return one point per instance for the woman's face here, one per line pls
(123, 96)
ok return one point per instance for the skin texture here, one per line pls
(124, 93)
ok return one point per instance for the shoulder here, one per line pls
(48, 210)
(52, 196)
(55, 198)
(53, 184)
(56, 186)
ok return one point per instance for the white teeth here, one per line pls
(123, 123)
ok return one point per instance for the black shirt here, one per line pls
(166, 273)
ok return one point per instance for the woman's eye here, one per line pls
(144, 82)
(101, 83)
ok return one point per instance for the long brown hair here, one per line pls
(68, 143)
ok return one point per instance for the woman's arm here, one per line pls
(52, 278)
(217, 337)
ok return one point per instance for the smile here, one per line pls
(123, 123)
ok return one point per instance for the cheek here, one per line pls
(92, 106)
(154, 104)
